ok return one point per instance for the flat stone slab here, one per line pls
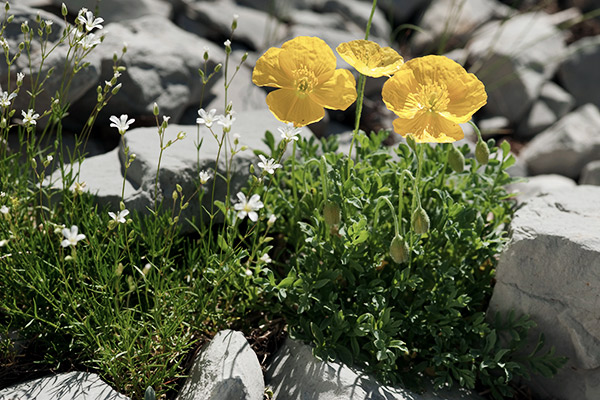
(68, 386)
(295, 374)
(226, 369)
(549, 270)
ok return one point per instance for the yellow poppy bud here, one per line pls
(482, 152)
(399, 250)
(456, 159)
(420, 221)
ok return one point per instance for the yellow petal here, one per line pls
(369, 58)
(287, 106)
(310, 53)
(267, 71)
(428, 127)
(466, 93)
(399, 91)
(338, 93)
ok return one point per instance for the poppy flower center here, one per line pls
(304, 81)
(432, 97)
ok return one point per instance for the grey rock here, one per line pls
(552, 104)
(116, 10)
(531, 40)
(81, 82)
(548, 271)
(540, 185)
(358, 13)
(494, 125)
(453, 22)
(566, 146)
(295, 374)
(511, 89)
(279, 8)
(213, 22)
(163, 71)
(68, 386)
(180, 163)
(226, 368)
(513, 58)
(590, 175)
(317, 20)
(102, 176)
(579, 73)
(244, 94)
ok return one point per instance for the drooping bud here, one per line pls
(399, 250)
(482, 152)
(456, 159)
(331, 213)
(420, 221)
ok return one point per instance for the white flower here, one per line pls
(204, 176)
(4, 210)
(3, 242)
(79, 187)
(227, 43)
(5, 98)
(146, 269)
(71, 236)
(289, 132)
(119, 218)
(89, 20)
(226, 121)
(20, 77)
(271, 220)
(248, 272)
(89, 41)
(30, 117)
(49, 158)
(207, 118)
(2, 194)
(248, 206)
(265, 258)
(268, 165)
(4, 43)
(122, 124)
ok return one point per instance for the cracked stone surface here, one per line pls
(549, 270)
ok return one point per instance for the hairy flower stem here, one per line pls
(360, 92)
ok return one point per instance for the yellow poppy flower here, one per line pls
(303, 70)
(369, 58)
(432, 95)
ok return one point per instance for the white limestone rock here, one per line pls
(118, 10)
(590, 175)
(227, 368)
(164, 71)
(180, 164)
(579, 72)
(81, 82)
(209, 20)
(553, 103)
(566, 146)
(540, 185)
(358, 13)
(514, 58)
(295, 374)
(102, 176)
(549, 270)
(67, 386)
(454, 21)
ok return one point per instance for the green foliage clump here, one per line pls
(405, 303)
